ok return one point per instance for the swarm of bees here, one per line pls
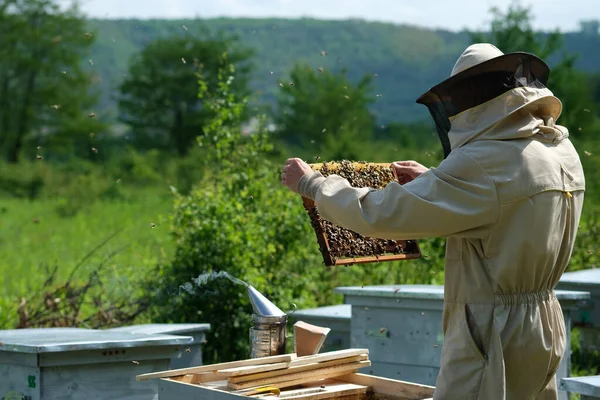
(337, 243)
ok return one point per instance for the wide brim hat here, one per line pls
(481, 73)
(483, 60)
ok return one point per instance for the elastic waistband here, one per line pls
(526, 298)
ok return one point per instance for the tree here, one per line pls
(159, 98)
(326, 109)
(44, 87)
(512, 31)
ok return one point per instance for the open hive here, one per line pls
(329, 375)
(340, 246)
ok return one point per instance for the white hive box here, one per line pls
(82, 364)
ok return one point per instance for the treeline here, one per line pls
(324, 85)
(407, 59)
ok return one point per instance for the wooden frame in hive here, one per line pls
(340, 246)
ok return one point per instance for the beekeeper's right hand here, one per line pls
(408, 170)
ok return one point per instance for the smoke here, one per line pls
(201, 280)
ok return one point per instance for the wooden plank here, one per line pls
(317, 392)
(202, 377)
(391, 387)
(252, 369)
(371, 259)
(299, 368)
(302, 377)
(304, 381)
(330, 355)
(216, 367)
(304, 360)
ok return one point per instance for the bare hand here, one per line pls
(293, 171)
(408, 170)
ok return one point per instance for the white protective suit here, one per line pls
(508, 198)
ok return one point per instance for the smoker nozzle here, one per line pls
(261, 305)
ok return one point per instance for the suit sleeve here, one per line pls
(456, 199)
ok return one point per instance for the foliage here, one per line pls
(44, 86)
(158, 99)
(34, 238)
(325, 108)
(76, 302)
(407, 59)
(233, 222)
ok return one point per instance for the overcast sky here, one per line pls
(453, 15)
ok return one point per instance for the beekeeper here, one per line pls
(508, 197)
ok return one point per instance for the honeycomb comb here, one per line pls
(340, 246)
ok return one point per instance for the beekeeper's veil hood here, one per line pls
(483, 74)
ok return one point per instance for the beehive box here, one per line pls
(587, 317)
(340, 246)
(82, 364)
(184, 357)
(375, 388)
(328, 375)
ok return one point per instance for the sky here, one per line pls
(452, 15)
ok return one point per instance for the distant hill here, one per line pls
(407, 60)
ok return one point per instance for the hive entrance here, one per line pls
(343, 246)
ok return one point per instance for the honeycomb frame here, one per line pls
(360, 249)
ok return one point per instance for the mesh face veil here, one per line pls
(479, 84)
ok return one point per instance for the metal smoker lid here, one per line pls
(261, 305)
(49, 340)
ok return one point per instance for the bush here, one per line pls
(241, 222)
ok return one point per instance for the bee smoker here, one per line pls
(268, 330)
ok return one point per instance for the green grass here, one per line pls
(33, 236)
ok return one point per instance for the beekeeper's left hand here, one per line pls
(293, 170)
